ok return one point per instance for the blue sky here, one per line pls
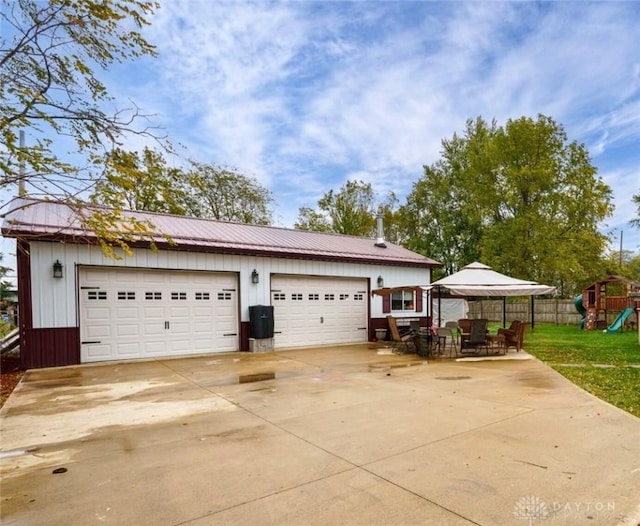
(307, 95)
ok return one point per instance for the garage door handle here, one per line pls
(166, 324)
(230, 334)
(86, 343)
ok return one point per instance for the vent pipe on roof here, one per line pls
(380, 239)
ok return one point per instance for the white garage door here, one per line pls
(127, 313)
(318, 311)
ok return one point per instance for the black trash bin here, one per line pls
(261, 320)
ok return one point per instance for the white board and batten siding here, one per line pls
(315, 310)
(56, 300)
(307, 322)
(58, 304)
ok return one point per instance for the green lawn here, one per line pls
(580, 357)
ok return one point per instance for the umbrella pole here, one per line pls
(439, 308)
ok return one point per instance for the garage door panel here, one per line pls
(98, 313)
(318, 310)
(180, 328)
(97, 277)
(201, 328)
(99, 352)
(179, 312)
(223, 318)
(226, 343)
(153, 328)
(128, 350)
(152, 277)
(201, 311)
(154, 348)
(127, 330)
(99, 331)
(177, 346)
(126, 313)
(125, 277)
(204, 346)
(146, 313)
(157, 312)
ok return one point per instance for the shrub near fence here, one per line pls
(557, 311)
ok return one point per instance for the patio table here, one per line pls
(497, 340)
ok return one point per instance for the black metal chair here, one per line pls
(477, 338)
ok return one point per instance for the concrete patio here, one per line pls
(341, 435)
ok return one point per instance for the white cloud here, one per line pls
(624, 183)
(221, 66)
(307, 94)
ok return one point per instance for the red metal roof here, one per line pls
(33, 219)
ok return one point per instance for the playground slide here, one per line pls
(580, 308)
(619, 321)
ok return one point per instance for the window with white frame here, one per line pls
(403, 300)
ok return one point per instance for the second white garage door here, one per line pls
(312, 311)
(126, 313)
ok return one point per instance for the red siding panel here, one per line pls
(386, 304)
(52, 347)
(25, 317)
(245, 331)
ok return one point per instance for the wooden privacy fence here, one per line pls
(557, 311)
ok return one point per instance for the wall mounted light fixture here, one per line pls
(57, 269)
(255, 277)
(380, 282)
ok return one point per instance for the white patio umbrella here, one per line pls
(477, 279)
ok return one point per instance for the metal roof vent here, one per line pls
(380, 239)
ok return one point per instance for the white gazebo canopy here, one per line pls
(477, 279)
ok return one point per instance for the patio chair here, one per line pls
(455, 329)
(514, 335)
(477, 338)
(446, 334)
(399, 338)
(464, 328)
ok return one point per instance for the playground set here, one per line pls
(608, 304)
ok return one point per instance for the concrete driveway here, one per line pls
(315, 437)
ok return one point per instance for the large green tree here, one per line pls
(632, 269)
(520, 197)
(436, 219)
(352, 210)
(221, 193)
(144, 181)
(141, 181)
